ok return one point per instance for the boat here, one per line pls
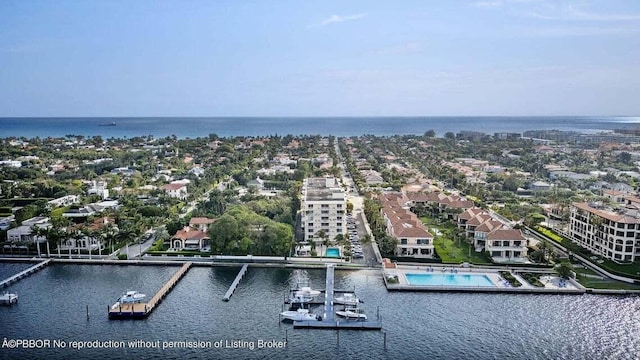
(300, 315)
(299, 299)
(347, 299)
(131, 297)
(306, 291)
(8, 299)
(352, 313)
(113, 123)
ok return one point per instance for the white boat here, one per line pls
(299, 315)
(130, 297)
(306, 291)
(352, 313)
(347, 299)
(300, 299)
(8, 299)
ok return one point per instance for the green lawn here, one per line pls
(450, 251)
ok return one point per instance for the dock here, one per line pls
(142, 310)
(328, 317)
(24, 273)
(235, 283)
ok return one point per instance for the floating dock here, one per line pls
(24, 273)
(235, 283)
(142, 310)
(329, 321)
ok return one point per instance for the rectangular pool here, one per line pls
(468, 280)
(333, 252)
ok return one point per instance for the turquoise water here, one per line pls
(333, 252)
(184, 127)
(449, 280)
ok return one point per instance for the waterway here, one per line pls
(53, 305)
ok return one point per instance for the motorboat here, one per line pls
(298, 299)
(347, 299)
(130, 297)
(307, 292)
(300, 315)
(8, 299)
(352, 313)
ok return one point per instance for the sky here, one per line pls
(319, 58)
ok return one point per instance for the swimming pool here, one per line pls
(333, 252)
(469, 280)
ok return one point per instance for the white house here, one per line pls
(177, 191)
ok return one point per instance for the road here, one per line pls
(358, 213)
(135, 250)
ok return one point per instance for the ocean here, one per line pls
(53, 306)
(192, 127)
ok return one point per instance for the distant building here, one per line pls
(177, 191)
(323, 207)
(201, 223)
(64, 201)
(540, 186)
(507, 136)
(99, 188)
(257, 183)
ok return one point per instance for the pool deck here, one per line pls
(552, 284)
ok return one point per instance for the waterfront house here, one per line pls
(507, 245)
(482, 232)
(85, 237)
(414, 239)
(191, 239)
(23, 234)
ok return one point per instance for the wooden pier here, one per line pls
(329, 321)
(235, 283)
(24, 273)
(142, 310)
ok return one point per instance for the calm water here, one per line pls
(418, 325)
(254, 126)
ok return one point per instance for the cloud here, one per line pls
(335, 19)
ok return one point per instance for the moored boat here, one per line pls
(300, 315)
(8, 299)
(347, 299)
(352, 313)
(130, 297)
(307, 292)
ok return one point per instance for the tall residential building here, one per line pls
(323, 207)
(612, 233)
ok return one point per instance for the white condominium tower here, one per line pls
(323, 207)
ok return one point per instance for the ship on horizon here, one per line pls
(113, 123)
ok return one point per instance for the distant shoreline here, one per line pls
(197, 127)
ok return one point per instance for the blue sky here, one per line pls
(319, 58)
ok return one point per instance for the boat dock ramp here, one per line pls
(329, 321)
(24, 273)
(142, 310)
(235, 283)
